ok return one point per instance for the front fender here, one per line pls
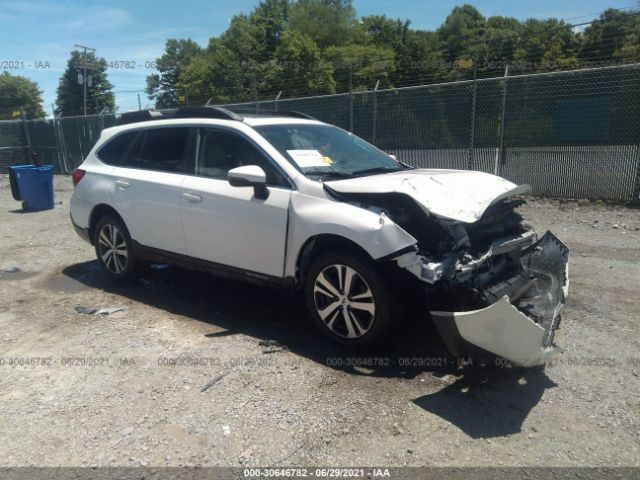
(374, 232)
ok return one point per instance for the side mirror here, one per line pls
(394, 157)
(249, 176)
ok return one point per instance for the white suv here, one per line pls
(285, 200)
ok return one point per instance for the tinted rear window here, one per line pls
(163, 150)
(114, 152)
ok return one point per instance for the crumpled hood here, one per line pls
(454, 194)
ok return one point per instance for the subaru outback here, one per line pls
(285, 200)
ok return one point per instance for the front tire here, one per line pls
(114, 248)
(348, 299)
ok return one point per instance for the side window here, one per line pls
(220, 151)
(163, 149)
(115, 151)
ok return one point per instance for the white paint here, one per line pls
(149, 204)
(209, 219)
(453, 194)
(501, 329)
(249, 173)
(230, 226)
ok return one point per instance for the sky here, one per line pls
(37, 37)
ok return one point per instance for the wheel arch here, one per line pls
(97, 213)
(324, 243)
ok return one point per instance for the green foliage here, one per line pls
(365, 64)
(19, 94)
(327, 22)
(547, 44)
(162, 86)
(304, 47)
(297, 62)
(460, 33)
(615, 36)
(270, 19)
(70, 92)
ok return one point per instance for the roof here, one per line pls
(205, 112)
(252, 120)
(258, 120)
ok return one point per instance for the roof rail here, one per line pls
(139, 116)
(181, 112)
(285, 113)
(292, 113)
(207, 112)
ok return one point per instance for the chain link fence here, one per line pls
(567, 134)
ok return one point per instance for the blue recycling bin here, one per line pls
(34, 186)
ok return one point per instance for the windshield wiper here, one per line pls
(328, 173)
(368, 171)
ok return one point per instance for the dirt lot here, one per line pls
(126, 389)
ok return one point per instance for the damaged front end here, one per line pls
(518, 308)
(502, 296)
(492, 285)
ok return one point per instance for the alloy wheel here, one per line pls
(344, 301)
(112, 248)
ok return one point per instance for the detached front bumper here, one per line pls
(523, 309)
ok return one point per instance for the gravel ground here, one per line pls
(128, 389)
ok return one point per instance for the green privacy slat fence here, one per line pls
(61, 142)
(12, 144)
(568, 134)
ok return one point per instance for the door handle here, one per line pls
(122, 184)
(192, 197)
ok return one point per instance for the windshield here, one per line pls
(324, 151)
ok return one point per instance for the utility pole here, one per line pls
(84, 76)
(139, 105)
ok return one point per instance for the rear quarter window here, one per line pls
(115, 150)
(163, 150)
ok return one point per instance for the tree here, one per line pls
(545, 45)
(70, 98)
(218, 74)
(460, 32)
(163, 86)
(314, 46)
(615, 35)
(271, 19)
(19, 94)
(418, 54)
(499, 40)
(368, 64)
(233, 65)
(326, 22)
(298, 67)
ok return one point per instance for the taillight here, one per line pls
(77, 175)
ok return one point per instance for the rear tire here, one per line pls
(114, 248)
(348, 299)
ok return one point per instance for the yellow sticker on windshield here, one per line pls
(326, 160)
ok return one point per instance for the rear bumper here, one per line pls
(522, 312)
(83, 233)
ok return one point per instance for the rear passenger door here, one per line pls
(146, 187)
(229, 225)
